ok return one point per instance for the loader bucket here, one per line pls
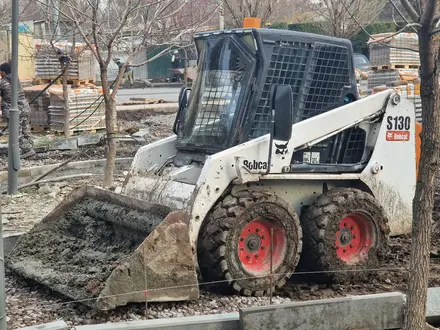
(106, 250)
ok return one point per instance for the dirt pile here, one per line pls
(76, 253)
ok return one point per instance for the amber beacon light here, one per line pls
(252, 22)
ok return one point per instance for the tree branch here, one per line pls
(378, 41)
(410, 10)
(428, 13)
(400, 13)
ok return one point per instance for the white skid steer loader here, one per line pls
(274, 162)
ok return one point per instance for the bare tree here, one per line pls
(267, 10)
(123, 26)
(334, 15)
(427, 16)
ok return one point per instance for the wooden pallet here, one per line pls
(39, 128)
(70, 81)
(395, 66)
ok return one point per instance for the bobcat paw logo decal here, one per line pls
(281, 149)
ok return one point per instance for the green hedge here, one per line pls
(307, 27)
(360, 40)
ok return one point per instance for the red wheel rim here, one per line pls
(254, 246)
(354, 239)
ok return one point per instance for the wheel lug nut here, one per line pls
(263, 237)
(345, 225)
(247, 257)
(262, 248)
(241, 249)
(241, 239)
(351, 245)
(351, 227)
(256, 256)
(344, 250)
(354, 236)
(257, 230)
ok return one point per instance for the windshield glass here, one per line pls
(225, 69)
(360, 60)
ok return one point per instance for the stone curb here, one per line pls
(58, 325)
(38, 170)
(376, 311)
(228, 321)
(433, 306)
(9, 241)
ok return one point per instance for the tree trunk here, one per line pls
(66, 101)
(110, 123)
(424, 197)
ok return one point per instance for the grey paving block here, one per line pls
(142, 135)
(380, 311)
(58, 325)
(207, 322)
(433, 306)
(9, 241)
(3, 148)
(65, 144)
(89, 139)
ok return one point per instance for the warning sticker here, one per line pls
(398, 136)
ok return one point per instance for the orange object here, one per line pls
(418, 146)
(252, 22)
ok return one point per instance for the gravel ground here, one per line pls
(158, 126)
(31, 304)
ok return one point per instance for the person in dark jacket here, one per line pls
(128, 73)
(24, 134)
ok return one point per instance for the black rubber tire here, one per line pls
(320, 225)
(218, 239)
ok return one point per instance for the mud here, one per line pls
(77, 253)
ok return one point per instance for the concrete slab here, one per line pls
(9, 241)
(89, 139)
(433, 306)
(65, 144)
(380, 311)
(58, 325)
(141, 134)
(207, 322)
(3, 148)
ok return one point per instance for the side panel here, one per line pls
(148, 159)
(393, 185)
(320, 127)
(391, 173)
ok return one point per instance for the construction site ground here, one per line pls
(31, 304)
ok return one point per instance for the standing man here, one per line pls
(127, 74)
(24, 131)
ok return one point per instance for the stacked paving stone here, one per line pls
(396, 68)
(39, 115)
(86, 110)
(47, 65)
